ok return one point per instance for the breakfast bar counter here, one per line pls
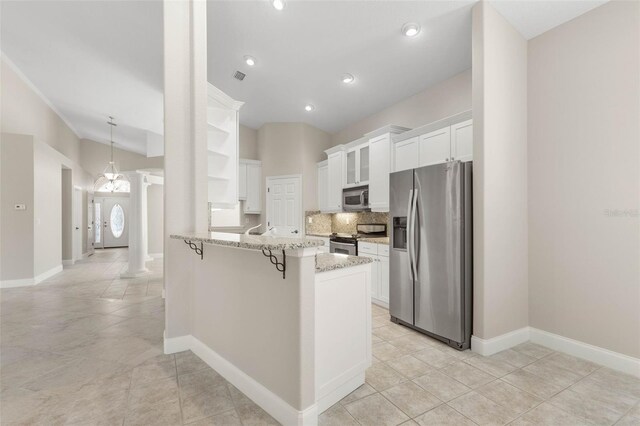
(263, 312)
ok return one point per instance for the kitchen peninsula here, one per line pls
(288, 326)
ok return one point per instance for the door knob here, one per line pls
(295, 232)
(77, 228)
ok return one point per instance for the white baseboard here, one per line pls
(267, 400)
(486, 347)
(86, 255)
(48, 274)
(23, 282)
(605, 357)
(156, 255)
(177, 344)
(380, 303)
(68, 262)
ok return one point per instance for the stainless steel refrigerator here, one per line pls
(430, 271)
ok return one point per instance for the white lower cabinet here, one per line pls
(379, 271)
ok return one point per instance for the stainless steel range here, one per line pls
(348, 243)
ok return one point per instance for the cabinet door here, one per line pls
(379, 150)
(335, 181)
(242, 181)
(352, 177)
(375, 293)
(322, 187)
(435, 147)
(383, 279)
(253, 205)
(462, 141)
(363, 165)
(405, 155)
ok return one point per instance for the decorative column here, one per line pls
(145, 219)
(137, 225)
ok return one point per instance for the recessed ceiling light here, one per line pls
(309, 107)
(411, 30)
(348, 78)
(278, 4)
(250, 60)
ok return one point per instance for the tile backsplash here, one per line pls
(343, 223)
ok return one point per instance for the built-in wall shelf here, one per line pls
(222, 148)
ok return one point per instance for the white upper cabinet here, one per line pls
(449, 139)
(405, 154)
(358, 165)
(462, 141)
(253, 202)
(335, 182)
(323, 181)
(242, 180)
(435, 147)
(380, 148)
(222, 149)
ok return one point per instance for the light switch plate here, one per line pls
(19, 206)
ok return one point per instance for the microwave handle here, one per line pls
(362, 198)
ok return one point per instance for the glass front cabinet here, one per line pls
(358, 165)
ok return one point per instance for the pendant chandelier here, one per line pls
(111, 180)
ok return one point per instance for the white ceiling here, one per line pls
(303, 51)
(92, 59)
(534, 17)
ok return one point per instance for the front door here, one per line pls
(112, 222)
(284, 205)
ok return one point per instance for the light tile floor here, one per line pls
(85, 347)
(415, 379)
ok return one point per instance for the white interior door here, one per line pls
(76, 243)
(114, 214)
(90, 224)
(284, 205)
(78, 231)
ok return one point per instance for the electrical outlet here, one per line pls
(19, 206)
(310, 220)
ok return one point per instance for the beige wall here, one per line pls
(500, 175)
(446, 98)
(292, 148)
(16, 226)
(248, 140)
(584, 161)
(24, 112)
(94, 157)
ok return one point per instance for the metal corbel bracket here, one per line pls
(280, 266)
(193, 246)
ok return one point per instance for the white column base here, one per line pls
(135, 274)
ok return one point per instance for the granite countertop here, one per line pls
(377, 240)
(251, 242)
(319, 234)
(331, 261)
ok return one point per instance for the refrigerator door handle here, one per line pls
(410, 239)
(412, 235)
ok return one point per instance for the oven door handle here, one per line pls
(342, 244)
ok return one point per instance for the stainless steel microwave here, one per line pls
(356, 199)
